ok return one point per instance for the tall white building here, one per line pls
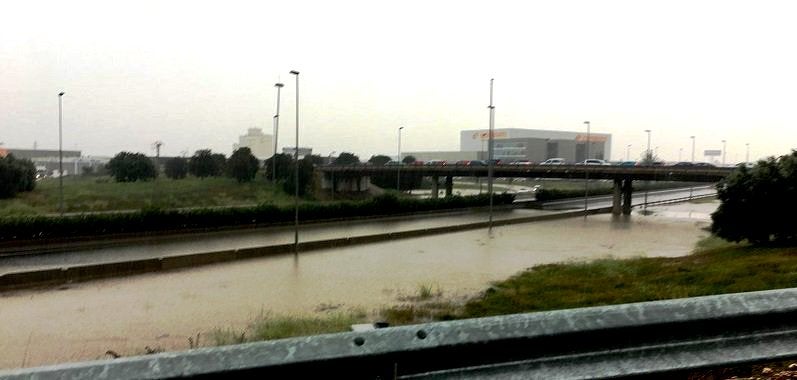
(261, 145)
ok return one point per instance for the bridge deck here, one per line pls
(652, 173)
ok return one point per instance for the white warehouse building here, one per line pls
(537, 145)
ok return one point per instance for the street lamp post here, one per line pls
(296, 173)
(691, 188)
(723, 152)
(628, 152)
(747, 153)
(398, 166)
(276, 134)
(329, 162)
(586, 173)
(680, 152)
(650, 162)
(490, 155)
(60, 156)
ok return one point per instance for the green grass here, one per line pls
(104, 194)
(724, 268)
(268, 327)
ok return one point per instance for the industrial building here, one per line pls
(46, 160)
(512, 144)
(537, 145)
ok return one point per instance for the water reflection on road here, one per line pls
(84, 320)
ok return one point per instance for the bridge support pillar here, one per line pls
(449, 186)
(435, 186)
(618, 195)
(627, 189)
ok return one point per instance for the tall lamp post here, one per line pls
(649, 157)
(276, 134)
(296, 173)
(490, 155)
(60, 156)
(693, 148)
(329, 162)
(628, 152)
(747, 153)
(586, 174)
(723, 152)
(398, 158)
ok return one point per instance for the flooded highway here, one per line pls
(240, 239)
(82, 321)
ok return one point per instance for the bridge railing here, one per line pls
(655, 173)
(661, 338)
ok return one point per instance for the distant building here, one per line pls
(261, 145)
(46, 160)
(302, 151)
(537, 145)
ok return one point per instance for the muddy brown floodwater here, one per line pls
(82, 321)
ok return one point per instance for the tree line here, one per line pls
(16, 176)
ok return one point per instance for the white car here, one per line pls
(554, 161)
(593, 161)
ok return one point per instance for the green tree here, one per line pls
(305, 177)
(648, 159)
(283, 166)
(379, 160)
(131, 167)
(409, 159)
(757, 204)
(176, 168)
(242, 165)
(347, 158)
(204, 163)
(16, 176)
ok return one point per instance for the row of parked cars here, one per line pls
(550, 161)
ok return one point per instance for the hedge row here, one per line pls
(156, 220)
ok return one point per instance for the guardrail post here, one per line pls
(449, 186)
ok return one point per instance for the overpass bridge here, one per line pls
(357, 176)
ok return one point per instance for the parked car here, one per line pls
(521, 162)
(627, 163)
(554, 161)
(704, 165)
(462, 163)
(593, 161)
(436, 163)
(683, 164)
(394, 163)
(477, 163)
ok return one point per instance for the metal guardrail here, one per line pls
(661, 338)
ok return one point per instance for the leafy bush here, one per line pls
(16, 176)
(176, 168)
(758, 204)
(242, 165)
(204, 163)
(283, 166)
(131, 167)
(305, 177)
(157, 220)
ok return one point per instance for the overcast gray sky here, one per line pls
(198, 74)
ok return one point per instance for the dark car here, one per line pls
(683, 164)
(704, 165)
